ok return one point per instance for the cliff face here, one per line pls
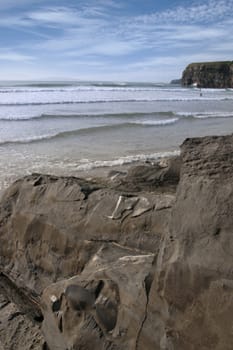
(209, 74)
(194, 280)
(130, 263)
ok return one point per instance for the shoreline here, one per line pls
(96, 168)
(101, 173)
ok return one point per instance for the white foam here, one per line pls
(157, 122)
(89, 94)
(214, 115)
(89, 165)
(204, 115)
(29, 139)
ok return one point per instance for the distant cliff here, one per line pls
(209, 74)
(175, 81)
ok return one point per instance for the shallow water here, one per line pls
(65, 128)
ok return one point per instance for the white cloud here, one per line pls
(196, 12)
(6, 55)
(57, 15)
(162, 42)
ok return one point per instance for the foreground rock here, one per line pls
(102, 308)
(209, 75)
(59, 228)
(192, 294)
(126, 262)
(56, 225)
(16, 330)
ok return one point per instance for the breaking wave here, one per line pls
(89, 165)
(84, 131)
(150, 118)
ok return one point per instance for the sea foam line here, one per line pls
(84, 89)
(157, 122)
(89, 165)
(120, 115)
(205, 115)
(68, 102)
(171, 117)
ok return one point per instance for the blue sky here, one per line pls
(118, 40)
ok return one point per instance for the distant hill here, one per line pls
(209, 74)
(176, 81)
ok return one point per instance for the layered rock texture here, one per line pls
(209, 74)
(140, 260)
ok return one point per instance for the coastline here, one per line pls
(100, 169)
(62, 130)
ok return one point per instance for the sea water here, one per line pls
(66, 128)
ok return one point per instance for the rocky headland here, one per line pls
(138, 260)
(209, 75)
(176, 81)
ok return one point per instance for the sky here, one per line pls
(111, 40)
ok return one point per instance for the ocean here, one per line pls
(65, 128)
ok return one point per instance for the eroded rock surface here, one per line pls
(55, 228)
(20, 323)
(56, 224)
(192, 293)
(128, 262)
(103, 307)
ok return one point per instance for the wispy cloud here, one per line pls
(6, 55)
(92, 31)
(211, 10)
(59, 15)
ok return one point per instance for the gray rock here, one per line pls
(57, 224)
(192, 291)
(120, 305)
(123, 263)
